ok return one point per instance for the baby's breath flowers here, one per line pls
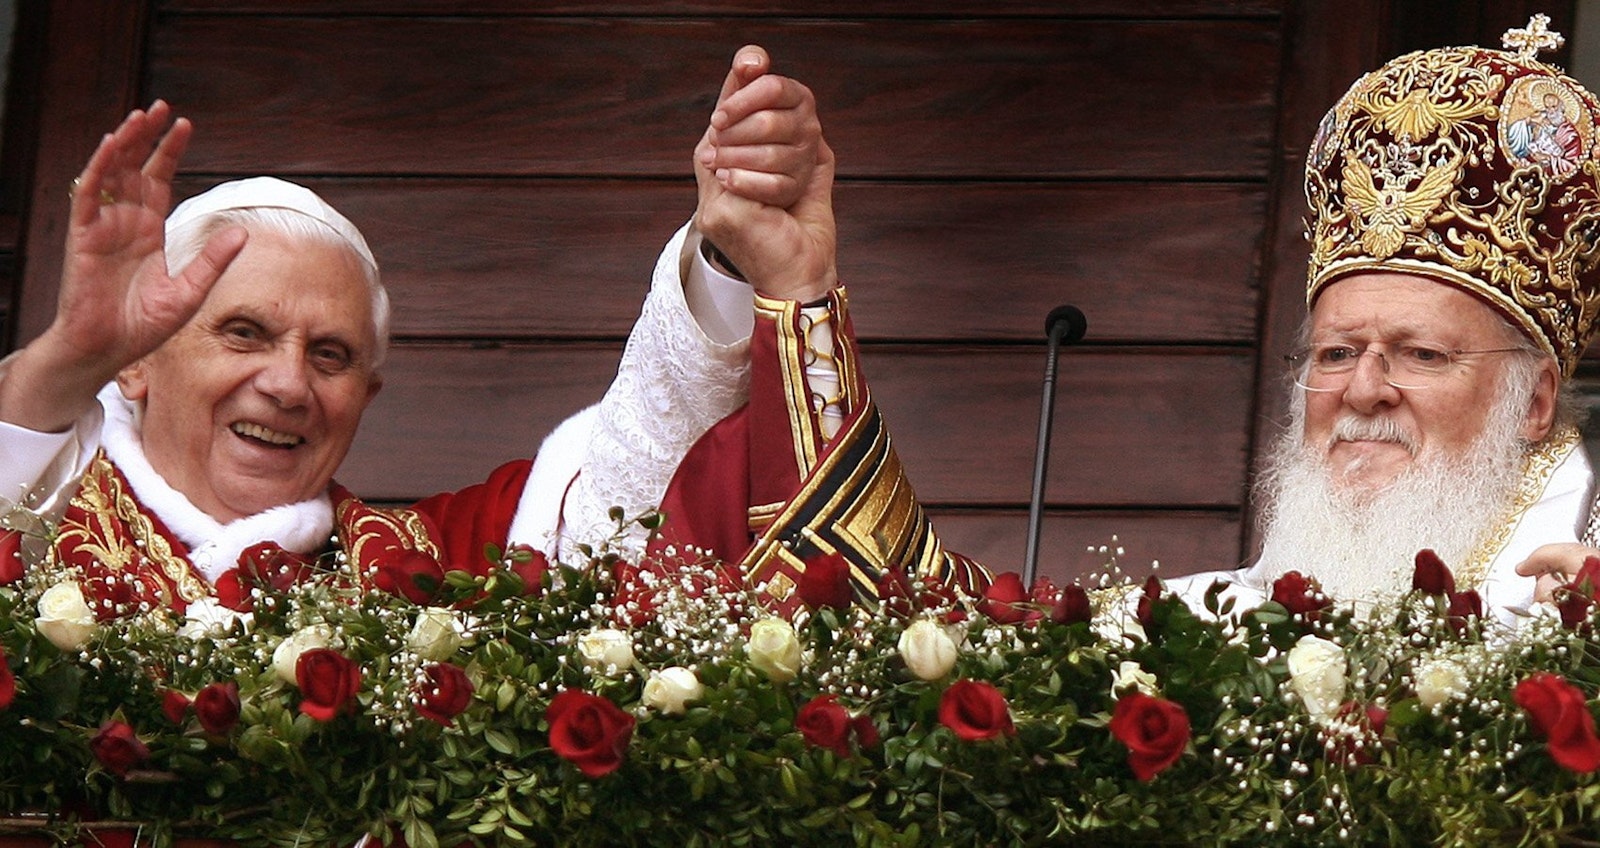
(668, 702)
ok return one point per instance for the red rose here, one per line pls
(217, 707)
(1587, 580)
(1005, 601)
(1560, 715)
(233, 591)
(118, 748)
(10, 557)
(327, 680)
(267, 564)
(825, 582)
(529, 565)
(1155, 730)
(1147, 600)
(1430, 575)
(588, 730)
(175, 706)
(1574, 609)
(975, 711)
(866, 732)
(445, 693)
(8, 682)
(1300, 595)
(109, 595)
(1463, 606)
(937, 593)
(412, 575)
(895, 596)
(1355, 733)
(825, 724)
(1576, 598)
(1072, 607)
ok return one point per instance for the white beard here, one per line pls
(1361, 544)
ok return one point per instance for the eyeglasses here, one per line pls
(1329, 367)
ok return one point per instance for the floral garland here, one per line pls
(542, 704)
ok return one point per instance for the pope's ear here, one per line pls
(132, 381)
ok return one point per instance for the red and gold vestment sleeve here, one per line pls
(768, 488)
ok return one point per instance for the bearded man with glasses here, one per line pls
(1452, 289)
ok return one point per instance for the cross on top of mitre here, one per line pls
(1536, 36)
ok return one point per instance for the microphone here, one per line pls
(1064, 325)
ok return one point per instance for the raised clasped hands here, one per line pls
(765, 176)
(117, 301)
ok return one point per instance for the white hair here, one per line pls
(186, 242)
(1360, 543)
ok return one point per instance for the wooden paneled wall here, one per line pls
(517, 166)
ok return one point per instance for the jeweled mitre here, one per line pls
(1476, 168)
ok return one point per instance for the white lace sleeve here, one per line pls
(672, 385)
(40, 471)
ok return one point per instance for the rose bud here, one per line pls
(64, 616)
(1431, 576)
(217, 707)
(328, 683)
(671, 689)
(445, 694)
(774, 649)
(1004, 601)
(8, 683)
(975, 711)
(606, 651)
(118, 748)
(825, 724)
(927, 649)
(589, 731)
(1155, 731)
(825, 583)
(1072, 607)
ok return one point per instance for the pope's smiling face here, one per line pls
(254, 402)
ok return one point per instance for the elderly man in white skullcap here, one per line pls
(238, 342)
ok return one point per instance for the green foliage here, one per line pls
(735, 769)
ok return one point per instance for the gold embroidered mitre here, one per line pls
(1473, 167)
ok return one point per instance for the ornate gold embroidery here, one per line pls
(364, 526)
(1474, 167)
(791, 366)
(1537, 466)
(106, 506)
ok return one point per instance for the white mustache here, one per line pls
(1355, 428)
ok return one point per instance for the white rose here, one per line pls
(1317, 675)
(1439, 681)
(774, 649)
(208, 617)
(1119, 627)
(928, 650)
(606, 651)
(287, 655)
(434, 636)
(64, 616)
(671, 689)
(1131, 676)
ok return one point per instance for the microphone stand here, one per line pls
(1064, 325)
